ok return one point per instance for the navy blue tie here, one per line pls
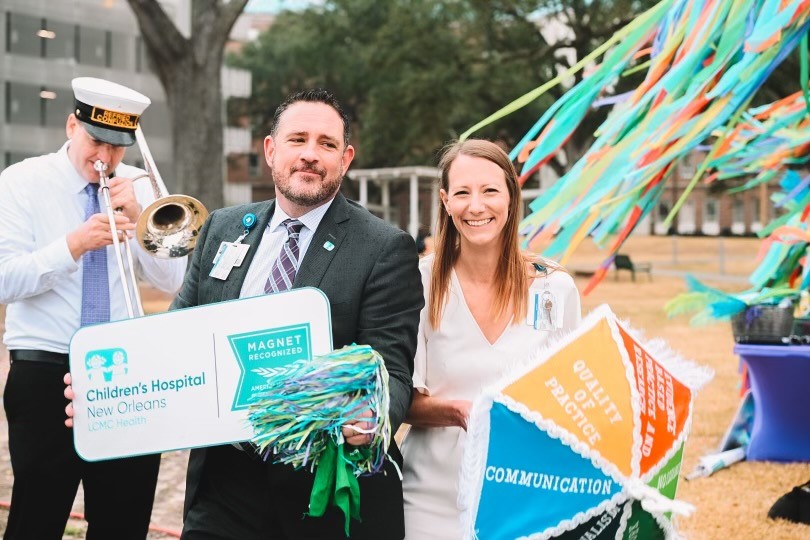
(95, 282)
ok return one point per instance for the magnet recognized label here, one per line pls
(267, 354)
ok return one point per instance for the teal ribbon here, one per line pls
(335, 483)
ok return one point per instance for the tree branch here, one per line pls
(163, 39)
(212, 21)
(228, 13)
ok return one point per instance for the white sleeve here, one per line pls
(420, 359)
(164, 274)
(25, 269)
(573, 308)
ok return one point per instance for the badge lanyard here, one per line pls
(231, 254)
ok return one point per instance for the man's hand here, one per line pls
(122, 195)
(69, 395)
(95, 233)
(359, 432)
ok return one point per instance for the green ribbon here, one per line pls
(335, 483)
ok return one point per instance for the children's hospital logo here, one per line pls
(106, 365)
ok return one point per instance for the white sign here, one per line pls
(184, 379)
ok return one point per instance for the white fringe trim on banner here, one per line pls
(474, 458)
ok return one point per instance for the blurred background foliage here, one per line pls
(416, 73)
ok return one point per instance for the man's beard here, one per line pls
(325, 190)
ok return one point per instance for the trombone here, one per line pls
(168, 228)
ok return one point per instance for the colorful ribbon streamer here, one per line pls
(707, 61)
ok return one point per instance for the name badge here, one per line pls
(544, 311)
(229, 255)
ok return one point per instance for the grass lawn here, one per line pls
(730, 504)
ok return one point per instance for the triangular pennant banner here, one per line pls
(552, 482)
(586, 393)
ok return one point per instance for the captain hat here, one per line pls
(109, 111)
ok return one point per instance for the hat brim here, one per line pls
(110, 136)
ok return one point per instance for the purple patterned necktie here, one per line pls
(95, 282)
(284, 268)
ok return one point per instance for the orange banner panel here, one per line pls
(663, 402)
(583, 388)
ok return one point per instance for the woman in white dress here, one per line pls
(487, 306)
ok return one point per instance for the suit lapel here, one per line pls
(330, 232)
(233, 285)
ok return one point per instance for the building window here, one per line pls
(63, 41)
(140, 53)
(710, 210)
(686, 218)
(254, 168)
(58, 105)
(143, 62)
(93, 47)
(23, 104)
(23, 34)
(121, 51)
(738, 210)
(756, 225)
(738, 215)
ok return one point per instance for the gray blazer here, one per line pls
(371, 278)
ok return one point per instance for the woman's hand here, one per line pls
(461, 407)
(427, 411)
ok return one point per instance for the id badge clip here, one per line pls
(544, 311)
(232, 254)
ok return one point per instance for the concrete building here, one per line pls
(44, 44)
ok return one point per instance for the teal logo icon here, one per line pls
(106, 365)
(267, 353)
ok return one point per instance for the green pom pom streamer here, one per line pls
(297, 421)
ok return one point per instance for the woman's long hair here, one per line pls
(511, 275)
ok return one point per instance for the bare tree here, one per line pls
(190, 71)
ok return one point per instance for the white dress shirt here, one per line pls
(273, 238)
(42, 199)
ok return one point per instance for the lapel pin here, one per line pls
(328, 246)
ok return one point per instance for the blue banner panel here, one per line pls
(533, 481)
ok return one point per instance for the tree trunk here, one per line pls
(190, 71)
(195, 99)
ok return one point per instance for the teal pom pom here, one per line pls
(303, 410)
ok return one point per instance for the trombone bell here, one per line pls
(169, 227)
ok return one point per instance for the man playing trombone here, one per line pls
(59, 271)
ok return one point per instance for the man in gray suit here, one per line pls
(367, 269)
